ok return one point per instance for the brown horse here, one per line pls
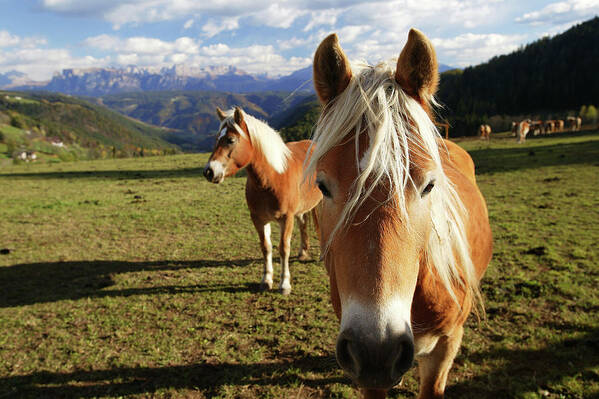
(404, 227)
(574, 123)
(536, 127)
(522, 130)
(274, 189)
(484, 131)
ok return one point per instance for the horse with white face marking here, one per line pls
(404, 227)
(275, 190)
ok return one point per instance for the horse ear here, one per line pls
(332, 71)
(238, 116)
(221, 115)
(417, 70)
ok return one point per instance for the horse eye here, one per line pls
(428, 188)
(323, 189)
(229, 140)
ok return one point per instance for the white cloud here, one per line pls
(8, 40)
(188, 24)
(469, 49)
(351, 32)
(213, 28)
(144, 51)
(322, 17)
(277, 16)
(562, 12)
(40, 64)
(294, 42)
(142, 45)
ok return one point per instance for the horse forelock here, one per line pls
(263, 138)
(397, 126)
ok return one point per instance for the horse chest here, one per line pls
(264, 201)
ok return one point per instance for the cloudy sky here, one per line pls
(39, 37)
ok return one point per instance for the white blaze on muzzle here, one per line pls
(218, 170)
(376, 322)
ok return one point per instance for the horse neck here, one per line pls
(261, 171)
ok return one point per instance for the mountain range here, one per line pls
(97, 82)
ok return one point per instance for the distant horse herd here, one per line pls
(403, 228)
(521, 129)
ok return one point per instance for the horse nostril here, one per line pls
(404, 358)
(347, 355)
(208, 173)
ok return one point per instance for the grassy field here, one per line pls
(137, 278)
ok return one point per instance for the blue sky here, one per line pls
(40, 37)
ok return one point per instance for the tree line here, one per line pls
(549, 78)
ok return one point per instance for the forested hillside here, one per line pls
(191, 114)
(73, 128)
(297, 123)
(547, 78)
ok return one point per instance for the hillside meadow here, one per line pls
(137, 278)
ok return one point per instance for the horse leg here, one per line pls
(434, 367)
(302, 221)
(284, 249)
(263, 230)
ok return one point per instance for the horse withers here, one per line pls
(275, 189)
(404, 227)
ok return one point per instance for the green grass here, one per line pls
(12, 133)
(137, 278)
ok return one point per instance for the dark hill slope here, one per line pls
(549, 75)
(191, 114)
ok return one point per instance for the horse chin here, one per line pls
(218, 180)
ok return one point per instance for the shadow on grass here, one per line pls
(204, 377)
(110, 174)
(521, 372)
(531, 370)
(492, 160)
(117, 174)
(27, 284)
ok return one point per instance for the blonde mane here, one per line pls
(375, 104)
(264, 139)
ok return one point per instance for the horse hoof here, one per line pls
(285, 291)
(265, 286)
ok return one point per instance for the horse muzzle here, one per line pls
(214, 172)
(375, 363)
